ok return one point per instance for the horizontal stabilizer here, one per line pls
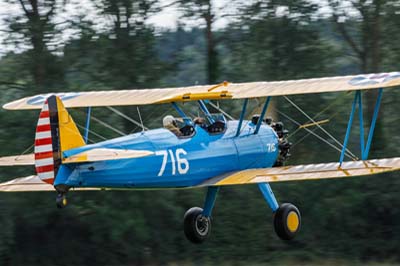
(26, 159)
(103, 154)
(306, 172)
(30, 183)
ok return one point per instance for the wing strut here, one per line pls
(185, 118)
(373, 124)
(358, 102)
(264, 110)
(87, 124)
(242, 116)
(203, 107)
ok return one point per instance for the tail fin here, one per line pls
(55, 132)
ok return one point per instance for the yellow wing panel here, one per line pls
(306, 172)
(228, 91)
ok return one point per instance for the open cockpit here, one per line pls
(185, 127)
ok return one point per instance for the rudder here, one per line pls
(55, 132)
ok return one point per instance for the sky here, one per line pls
(166, 19)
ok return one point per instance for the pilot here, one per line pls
(201, 122)
(170, 124)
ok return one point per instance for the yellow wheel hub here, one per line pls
(292, 221)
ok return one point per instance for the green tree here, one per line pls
(276, 40)
(204, 10)
(36, 29)
(366, 34)
(133, 61)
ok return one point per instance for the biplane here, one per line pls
(207, 152)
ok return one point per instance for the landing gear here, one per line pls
(197, 222)
(61, 200)
(197, 227)
(287, 221)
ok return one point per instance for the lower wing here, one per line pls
(251, 176)
(30, 183)
(306, 172)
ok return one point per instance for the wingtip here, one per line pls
(7, 106)
(12, 105)
(20, 104)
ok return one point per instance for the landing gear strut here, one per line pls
(287, 218)
(197, 221)
(61, 200)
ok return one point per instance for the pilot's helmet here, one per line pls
(269, 120)
(255, 119)
(168, 120)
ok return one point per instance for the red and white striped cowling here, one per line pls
(44, 161)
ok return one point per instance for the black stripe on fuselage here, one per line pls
(55, 132)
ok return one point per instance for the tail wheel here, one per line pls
(287, 221)
(61, 201)
(197, 227)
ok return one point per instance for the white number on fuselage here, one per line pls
(271, 147)
(177, 161)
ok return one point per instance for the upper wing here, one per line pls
(306, 172)
(225, 91)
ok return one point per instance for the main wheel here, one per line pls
(196, 226)
(61, 201)
(287, 221)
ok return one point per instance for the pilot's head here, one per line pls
(168, 120)
(199, 121)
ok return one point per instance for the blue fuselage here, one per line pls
(177, 162)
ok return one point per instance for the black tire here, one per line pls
(197, 227)
(287, 221)
(61, 201)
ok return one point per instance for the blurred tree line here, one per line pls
(345, 220)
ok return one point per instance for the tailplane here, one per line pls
(55, 132)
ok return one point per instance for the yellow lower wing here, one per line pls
(306, 172)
